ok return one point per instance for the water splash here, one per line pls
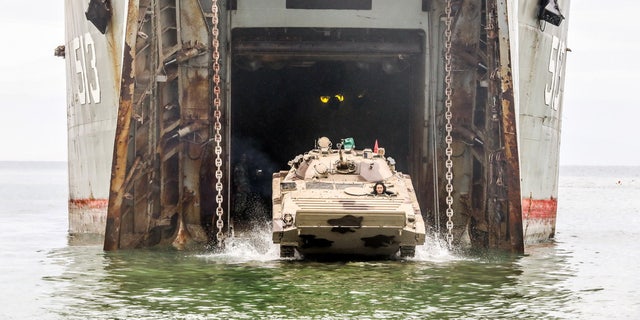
(435, 249)
(254, 244)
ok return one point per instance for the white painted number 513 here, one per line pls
(88, 85)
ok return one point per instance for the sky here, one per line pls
(33, 119)
(600, 117)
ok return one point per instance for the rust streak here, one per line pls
(119, 164)
(510, 136)
(540, 209)
(88, 203)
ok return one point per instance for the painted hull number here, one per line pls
(87, 84)
(556, 66)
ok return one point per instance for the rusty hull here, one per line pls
(163, 128)
(119, 165)
(163, 184)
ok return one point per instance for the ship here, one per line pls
(166, 98)
(345, 202)
(93, 60)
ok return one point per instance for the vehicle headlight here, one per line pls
(411, 221)
(288, 219)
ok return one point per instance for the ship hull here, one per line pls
(177, 154)
(541, 62)
(93, 69)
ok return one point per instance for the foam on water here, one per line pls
(435, 249)
(256, 245)
(252, 245)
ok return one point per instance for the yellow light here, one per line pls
(324, 99)
(340, 97)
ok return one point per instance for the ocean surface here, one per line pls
(590, 271)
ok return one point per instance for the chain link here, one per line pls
(217, 114)
(448, 126)
(218, 125)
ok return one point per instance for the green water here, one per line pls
(588, 272)
(250, 283)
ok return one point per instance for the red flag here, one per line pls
(375, 147)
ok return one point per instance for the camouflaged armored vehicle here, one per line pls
(327, 204)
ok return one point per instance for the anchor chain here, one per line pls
(217, 124)
(448, 125)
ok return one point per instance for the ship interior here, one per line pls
(293, 86)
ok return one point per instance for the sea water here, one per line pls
(588, 272)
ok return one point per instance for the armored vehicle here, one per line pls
(345, 202)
